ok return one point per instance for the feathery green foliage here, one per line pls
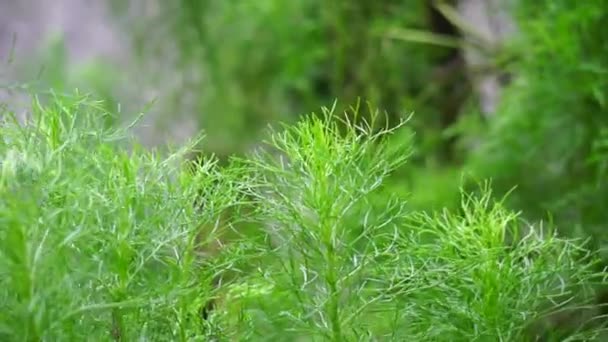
(98, 241)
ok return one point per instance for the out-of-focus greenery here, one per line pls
(260, 61)
(548, 137)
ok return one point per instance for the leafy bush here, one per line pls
(100, 239)
(95, 239)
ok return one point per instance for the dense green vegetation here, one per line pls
(99, 241)
(399, 213)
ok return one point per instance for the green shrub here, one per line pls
(341, 267)
(100, 239)
(96, 239)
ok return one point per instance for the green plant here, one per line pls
(343, 268)
(97, 241)
(485, 274)
(100, 239)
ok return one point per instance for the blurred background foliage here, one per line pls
(549, 133)
(272, 60)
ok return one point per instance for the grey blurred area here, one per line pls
(91, 33)
(491, 20)
(86, 25)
